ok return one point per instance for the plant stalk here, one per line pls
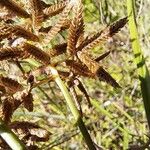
(142, 69)
(10, 138)
(73, 109)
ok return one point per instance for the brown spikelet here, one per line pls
(8, 30)
(19, 31)
(14, 7)
(94, 67)
(115, 27)
(11, 86)
(10, 53)
(37, 53)
(5, 31)
(102, 56)
(102, 36)
(6, 110)
(79, 69)
(45, 29)
(90, 63)
(76, 29)
(88, 40)
(54, 9)
(58, 49)
(57, 27)
(28, 101)
(16, 104)
(79, 16)
(106, 77)
(27, 131)
(30, 80)
(37, 13)
(83, 90)
(2, 89)
(65, 26)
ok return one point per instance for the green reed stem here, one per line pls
(73, 109)
(143, 73)
(10, 138)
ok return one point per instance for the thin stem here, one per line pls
(143, 73)
(49, 78)
(73, 109)
(10, 138)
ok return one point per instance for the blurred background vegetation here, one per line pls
(117, 119)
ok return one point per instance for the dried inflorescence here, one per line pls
(6, 110)
(79, 69)
(58, 49)
(36, 52)
(10, 53)
(29, 132)
(57, 27)
(36, 40)
(27, 100)
(54, 9)
(37, 13)
(12, 6)
(13, 31)
(11, 86)
(102, 36)
(76, 29)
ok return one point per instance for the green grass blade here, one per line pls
(143, 73)
(125, 140)
(103, 111)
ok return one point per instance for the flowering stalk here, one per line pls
(73, 109)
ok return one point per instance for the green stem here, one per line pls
(139, 59)
(73, 109)
(10, 138)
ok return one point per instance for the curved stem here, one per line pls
(73, 109)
